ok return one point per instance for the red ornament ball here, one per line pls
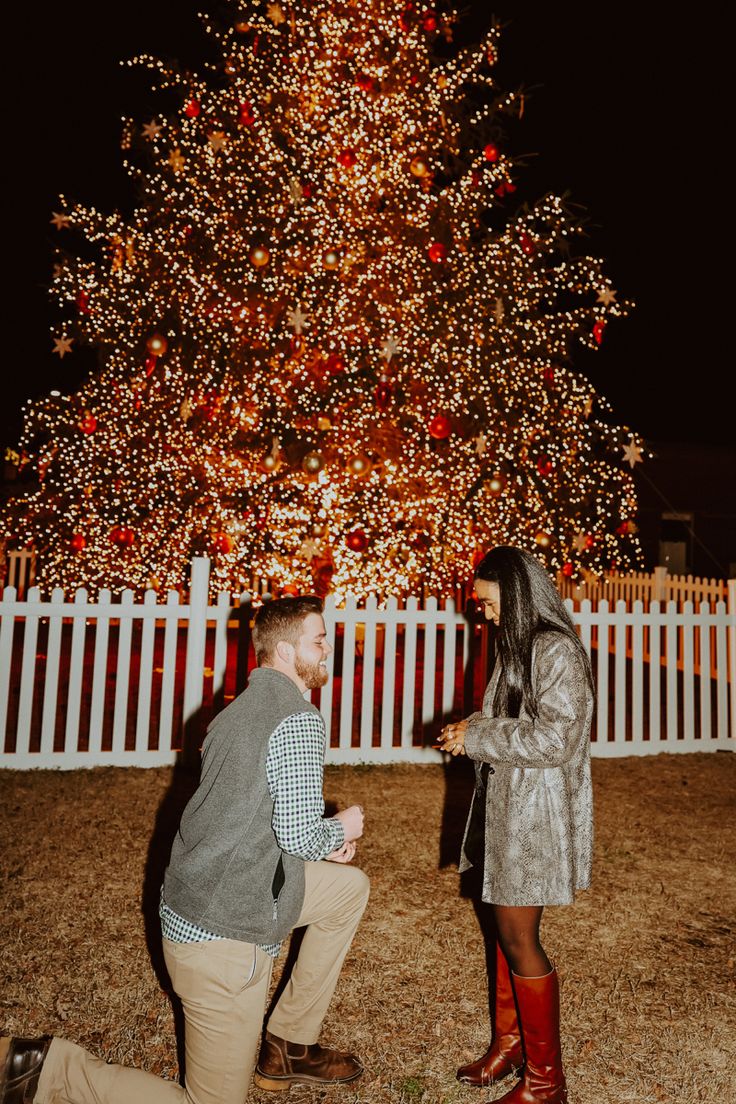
(88, 422)
(245, 114)
(544, 465)
(429, 22)
(357, 540)
(222, 543)
(150, 364)
(335, 364)
(527, 245)
(365, 82)
(192, 108)
(82, 301)
(122, 536)
(439, 427)
(347, 158)
(78, 542)
(289, 590)
(598, 330)
(437, 252)
(491, 152)
(568, 570)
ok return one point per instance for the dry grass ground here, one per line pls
(646, 957)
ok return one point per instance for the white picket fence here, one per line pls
(131, 683)
(644, 586)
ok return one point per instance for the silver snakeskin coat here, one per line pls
(539, 807)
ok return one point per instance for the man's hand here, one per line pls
(352, 822)
(344, 854)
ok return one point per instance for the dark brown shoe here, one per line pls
(22, 1069)
(282, 1064)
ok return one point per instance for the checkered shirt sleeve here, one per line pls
(294, 770)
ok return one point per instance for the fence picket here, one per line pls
(449, 631)
(410, 667)
(168, 674)
(670, 643)
(688, 672)
(27, 678)
(389, 674)
(7, 631)
(619, 691)
(99, 672)
(655, 674)
(51, 681)
(430, 662)
(145, 675)
(122, 671)
(722, 684)
(602, 678)
(637, 673)
(369, 674)
(348, 673)
(76, 671)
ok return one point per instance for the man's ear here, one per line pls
(285, 651)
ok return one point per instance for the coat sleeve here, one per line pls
(549, 739)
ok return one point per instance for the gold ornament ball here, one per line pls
(418, 167)
(313, 463)
(259, 256)
(331, 259)
(359, 465)
(543, 539)
(157, 345)
(496, 484)
(270, 463)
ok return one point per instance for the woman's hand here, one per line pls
(452, 738)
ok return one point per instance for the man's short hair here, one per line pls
(281, 619)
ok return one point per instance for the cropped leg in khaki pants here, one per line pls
(334, 900)
(223, 987)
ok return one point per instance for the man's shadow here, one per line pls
(184, 781)
(460, 783)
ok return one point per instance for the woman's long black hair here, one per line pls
(530, 604)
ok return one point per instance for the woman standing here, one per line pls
(530, 823)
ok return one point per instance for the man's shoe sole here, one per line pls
(283, 1084)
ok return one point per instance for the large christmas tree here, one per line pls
(332, 352)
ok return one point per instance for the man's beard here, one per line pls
(312, 674)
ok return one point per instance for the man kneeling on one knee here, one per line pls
(246, 868)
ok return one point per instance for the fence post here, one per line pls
(194, 671)
(659, 585)
(732, 653)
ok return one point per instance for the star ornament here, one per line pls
(62, 345)
(633, 453)
(606, 296)
(276, 14)
(580, 541)
(217, 140)
(152, 130)
(389, 349)
(60, 220)
(176, 160)
(481, 444)
(297, 319)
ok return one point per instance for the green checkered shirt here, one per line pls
(294, 766)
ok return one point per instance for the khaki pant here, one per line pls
(223, 986)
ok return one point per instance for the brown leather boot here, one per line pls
(543, 1081)
(282, 1064)
(504, 1054)
(21, 1069)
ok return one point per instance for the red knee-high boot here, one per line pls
(543, 1081)
(504, 1054)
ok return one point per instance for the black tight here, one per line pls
(518, 933)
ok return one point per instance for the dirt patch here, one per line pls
(646, 956)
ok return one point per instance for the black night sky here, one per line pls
(624, 113)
